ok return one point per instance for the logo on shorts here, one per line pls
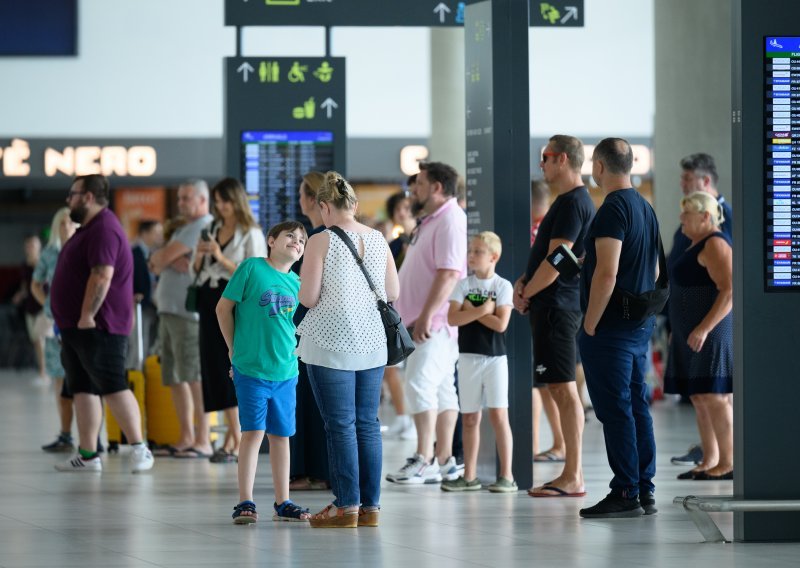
(541, 369)
(277, 304)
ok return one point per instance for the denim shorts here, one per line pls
(266, 405)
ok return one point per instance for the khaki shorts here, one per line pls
(180, 349)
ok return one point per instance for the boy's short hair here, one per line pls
(288, 226)
(492, 242)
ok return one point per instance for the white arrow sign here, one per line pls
(245, 69)
(442, 10)
(572, 12)
(328, 105)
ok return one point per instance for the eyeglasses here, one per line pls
(71, 193)
(551, 154)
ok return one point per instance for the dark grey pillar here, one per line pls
(766, 323)
(498, 184)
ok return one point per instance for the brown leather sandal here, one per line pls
(342, 520)
(368, 517)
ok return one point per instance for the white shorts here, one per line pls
(482, 381)
(430, 374)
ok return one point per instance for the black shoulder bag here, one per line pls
(398, 341)
(639, 307)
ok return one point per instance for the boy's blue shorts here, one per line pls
(266, 405)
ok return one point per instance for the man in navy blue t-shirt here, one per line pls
(553, 302)
(621, 251)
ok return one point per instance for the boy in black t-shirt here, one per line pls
(481, 307)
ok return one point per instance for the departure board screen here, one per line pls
(274, 163)
(782, 171)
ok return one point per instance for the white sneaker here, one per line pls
(400, 425)
(77, 463)
(451, 470)
(141, 458)
(41, 381)
(416, 472)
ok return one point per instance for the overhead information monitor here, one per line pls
(273, 165)
(284, 116)
(782, 183)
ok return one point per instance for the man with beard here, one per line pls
(435, 261)
(92, 304)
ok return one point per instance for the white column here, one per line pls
(448, 137)
(693, 97)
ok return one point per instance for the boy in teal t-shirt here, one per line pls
(262, 294)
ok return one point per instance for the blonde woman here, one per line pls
(61, 229)
(343, 344)
(701, 350)
(230, 238)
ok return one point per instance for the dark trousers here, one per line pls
(615, 363)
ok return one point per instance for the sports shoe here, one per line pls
(693, 457)
(461, 484)
(77, 463)
(141, 458)
(614, 507)
(451, 469)
(63, 443)
(416, 472)
(402, 428)
(648, 502)
(503, 485)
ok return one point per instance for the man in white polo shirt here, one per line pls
(435, 261)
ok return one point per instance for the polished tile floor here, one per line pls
(179, 514)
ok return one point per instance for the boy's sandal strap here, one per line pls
(244, 506)
(290, 510)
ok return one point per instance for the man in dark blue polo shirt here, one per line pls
(621, 251)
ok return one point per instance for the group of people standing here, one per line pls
(285, 355)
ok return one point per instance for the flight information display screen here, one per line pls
(273, 166)
(782, 171)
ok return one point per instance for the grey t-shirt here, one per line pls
(172, 285)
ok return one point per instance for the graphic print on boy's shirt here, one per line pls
(278, 302)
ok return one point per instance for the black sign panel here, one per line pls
(434, 13)
(284, 116)
(479, 108)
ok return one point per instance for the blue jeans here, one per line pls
(615, 363)
(348, 402)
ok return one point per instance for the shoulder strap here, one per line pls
(663, 279)
(346, 240)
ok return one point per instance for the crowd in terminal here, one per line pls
(279, 330)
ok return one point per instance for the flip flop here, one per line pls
(548, 457)
(558, 492)
(166, 451)
(190, 454)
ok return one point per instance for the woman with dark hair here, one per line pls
(232, 236)
(343, 344)
(309, 451)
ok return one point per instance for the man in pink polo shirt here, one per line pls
(435, 261)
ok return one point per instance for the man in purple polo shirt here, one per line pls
(435, 261)
(92, 304)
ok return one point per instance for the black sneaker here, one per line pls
(62, 444)
(648, 502)
(614, 507)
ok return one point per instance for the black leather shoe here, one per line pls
(648, 502)
(691, 474)
(614, 507)
(705, 476)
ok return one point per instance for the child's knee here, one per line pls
(471, 419)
